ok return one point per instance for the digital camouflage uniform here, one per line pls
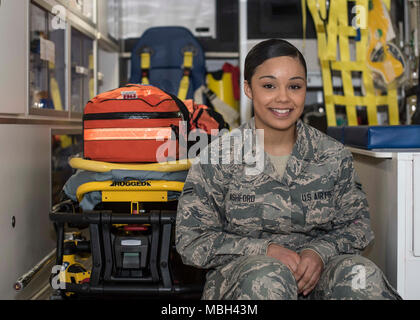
(227, 218)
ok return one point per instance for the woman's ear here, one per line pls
(247, 89)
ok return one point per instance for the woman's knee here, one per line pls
(356, 277)
(265, 278)
(354, 268)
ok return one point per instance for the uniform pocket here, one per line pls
(243, 211)
(318, 207)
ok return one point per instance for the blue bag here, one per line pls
(159, 59)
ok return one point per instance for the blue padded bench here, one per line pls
(379, 137)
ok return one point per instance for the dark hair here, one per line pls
(270, 49)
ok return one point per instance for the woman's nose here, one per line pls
(282, 95)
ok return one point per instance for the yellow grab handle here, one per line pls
(99, 166)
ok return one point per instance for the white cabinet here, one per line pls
(391, 180)
(13, 56)
(136, 16)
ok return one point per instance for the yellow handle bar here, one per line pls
(99, 166)
(128, 186)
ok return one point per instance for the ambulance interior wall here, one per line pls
(25, 159)
(25, 194)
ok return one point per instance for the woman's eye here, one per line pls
(268, 86)
(295, 87)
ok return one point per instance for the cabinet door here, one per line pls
(108, 70)
(13, 56)
(82, 65)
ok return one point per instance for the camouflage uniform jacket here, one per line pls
(318, 204)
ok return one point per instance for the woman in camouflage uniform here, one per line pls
(296, 229)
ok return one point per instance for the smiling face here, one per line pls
(278, 91)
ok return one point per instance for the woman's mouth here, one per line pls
(281, 113)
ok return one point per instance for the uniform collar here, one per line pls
(300, 156)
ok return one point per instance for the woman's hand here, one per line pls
(306, 267)
(308, 271)
(288, 257)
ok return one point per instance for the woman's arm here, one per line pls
(351, 231)
(200, 236)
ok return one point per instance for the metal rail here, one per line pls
(24, 280)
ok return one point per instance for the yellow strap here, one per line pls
(348, 31)
(145, 65)
(333, 21)
(345, 58)
(183, 87)
(185, 81)
(145, 60)
(348, 65)
(188, 59)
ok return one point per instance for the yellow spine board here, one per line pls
(339, 27)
